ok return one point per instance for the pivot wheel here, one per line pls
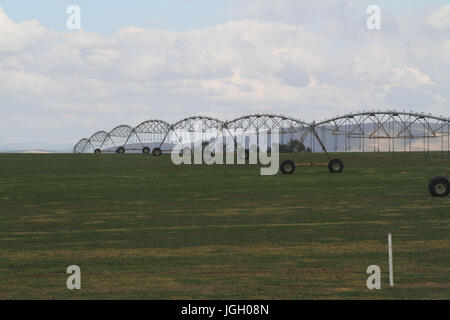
(336, 165)
(97, 151)
(146, 150)
(157, 152)
(120, 150)
(439, 187)
(287, 167)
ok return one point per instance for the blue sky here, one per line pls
(105, 17)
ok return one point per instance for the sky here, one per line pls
(105, 17)
(167, 59)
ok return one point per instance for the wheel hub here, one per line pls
(440, 188)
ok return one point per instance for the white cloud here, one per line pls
(440, 19)
(417, 76)
(83, 82)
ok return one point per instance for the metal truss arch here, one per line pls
(98, 136)
(246, 129)
(372, 113)
(81, 145)
(195, 128)
(117, 137)
(98, 139)
(148, 132)
(267, 121)
(152, 126)
(386, 130)
(387, 125)
(196, 123)
(120, 131)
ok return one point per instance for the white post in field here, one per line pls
(391, 267)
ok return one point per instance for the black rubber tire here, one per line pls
(97, 151)
(287, 167)
(146, 150)
(439, 187)
(336, 166)
(157, 152)
(120, 150)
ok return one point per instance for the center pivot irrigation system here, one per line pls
(367, 131)
(196, 128)
(334, 165)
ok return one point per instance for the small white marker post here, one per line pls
(391, 267)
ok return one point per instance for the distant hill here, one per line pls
(35, 148)
(36, 151)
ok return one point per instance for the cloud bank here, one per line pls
(309, 60)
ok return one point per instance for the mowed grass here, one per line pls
(142, 228)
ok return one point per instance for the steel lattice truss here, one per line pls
(96, 141)
(387, 125)
(268, 122)
(362, 127)
(387, 130)
(147, 132)
(193, 129)
(117, 137)
(81, 145)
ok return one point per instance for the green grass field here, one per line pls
(141, 228)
